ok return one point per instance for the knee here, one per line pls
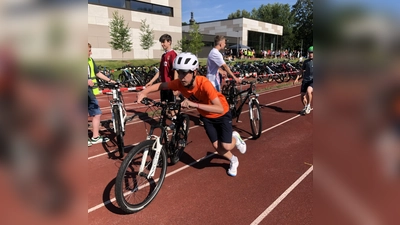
(227, 147)
(215, 145)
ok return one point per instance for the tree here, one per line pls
(182, 45)
(146, 37)
(303, 23)
(239, 14)
(120, 34)
(196, 40)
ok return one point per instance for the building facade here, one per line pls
(163, 16)
(252, 33)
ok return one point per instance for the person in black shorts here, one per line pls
(307, 87)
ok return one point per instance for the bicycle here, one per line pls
(143, 170)
(236, 103)
(118, 112)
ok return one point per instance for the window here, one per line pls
(136, 6)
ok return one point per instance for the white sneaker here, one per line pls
(89, 143)
(303, 111)
(308, 110)
(240, 144)
(99, 139)
(232, 171)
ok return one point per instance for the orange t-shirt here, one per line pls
(203, 92)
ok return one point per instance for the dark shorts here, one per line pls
(219, 128)
(305, 85)
(93, 104)
(167, 95)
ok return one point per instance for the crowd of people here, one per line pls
(244, 53)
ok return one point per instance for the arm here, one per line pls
(103, 77)
(152, 88)
(228, 70)
(215, 107)
(176, 93)
(155, 77)
(298, 75)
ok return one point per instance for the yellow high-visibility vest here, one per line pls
(95, 88)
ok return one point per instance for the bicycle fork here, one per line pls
(157, 147)
(122, 116)
(250, 106)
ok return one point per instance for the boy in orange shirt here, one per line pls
(212, 105)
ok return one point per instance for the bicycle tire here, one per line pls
(118, 130)
(256, 121)
(180, 138)
(139, 188)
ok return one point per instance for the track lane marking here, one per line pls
(281, 197)
(194, 162)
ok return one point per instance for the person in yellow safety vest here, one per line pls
(93, 105)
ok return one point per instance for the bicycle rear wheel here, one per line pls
(180, 138)
(133, 190)
(118, 130)
(255, 119)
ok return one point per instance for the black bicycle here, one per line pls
(236, 103)
(143, 170)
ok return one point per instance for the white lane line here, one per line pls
(263, 93)
(194, 162)
(281, 197)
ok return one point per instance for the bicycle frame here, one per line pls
(163, 138)
(117, 100)
(250, 95)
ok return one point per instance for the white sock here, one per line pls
(308, 106)
(234, 159)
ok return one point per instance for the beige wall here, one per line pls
(99, 35)
(236, 28)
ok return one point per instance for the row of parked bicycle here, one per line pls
(262, 72)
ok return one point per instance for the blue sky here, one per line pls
(208, 10)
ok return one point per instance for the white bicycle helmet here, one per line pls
(186, 61)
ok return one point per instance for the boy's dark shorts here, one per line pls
(219, 128)
(305, 85)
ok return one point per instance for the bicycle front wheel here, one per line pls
(118, 130)
(255, 119)
(133, 190)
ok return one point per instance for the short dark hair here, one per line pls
(217, 39)
(165, 37)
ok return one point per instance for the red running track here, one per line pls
(273, 185)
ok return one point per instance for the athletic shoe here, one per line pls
(303, 111)
(240, 144)
(232, 171)
(201, 123)
(308, 110)
(89, 143)
(99, 139)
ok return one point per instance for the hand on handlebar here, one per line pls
(186, 103)
(140, 96)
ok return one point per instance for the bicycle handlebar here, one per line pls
(173, 105)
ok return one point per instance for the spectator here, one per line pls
(93, 104)
(307, 83)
